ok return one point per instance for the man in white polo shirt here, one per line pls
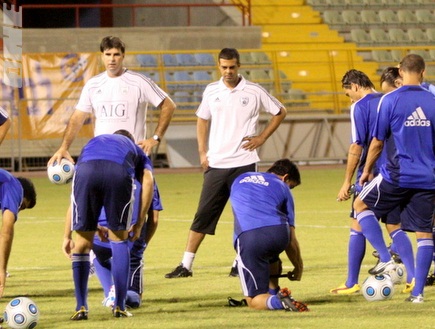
(227, 119)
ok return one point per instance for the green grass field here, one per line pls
(40, 271)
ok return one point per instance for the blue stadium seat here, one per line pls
(205, 59)
(147, 60)
(186, 60)
(169, 60)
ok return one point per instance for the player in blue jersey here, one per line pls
(361, 91)
(405, 131)
(264, 226)
(16, 194)
(105, 173)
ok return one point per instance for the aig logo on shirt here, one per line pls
(244, 101)
(112, 110)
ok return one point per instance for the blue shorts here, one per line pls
(98, 184)
(416, 206)
(255, 250)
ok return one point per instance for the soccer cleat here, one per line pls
(234, 272)
(81, 314)
(395, 256)
(409, 287)
(109, 301)
(415, 299)
(289, 303)
(118, 313)
(235, 303)
(343, 290)
(179, 272)
(430, 280)
(382, 267)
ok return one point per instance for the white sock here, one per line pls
(188, 258)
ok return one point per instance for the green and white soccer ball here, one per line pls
(378, 287)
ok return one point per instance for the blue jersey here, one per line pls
(11, 192)
(119, 149)
(406, 124)
(363, 117)
(260, 200)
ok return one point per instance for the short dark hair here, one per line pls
(112, 42)
(29, 192)
(390, 75)
(284, 167)
(125, 133)
(356, 77)
(229, 53)
(413, 63)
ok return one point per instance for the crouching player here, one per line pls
(264, 227)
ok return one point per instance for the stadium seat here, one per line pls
(417, 35)
(392, 3)
(423, 53)
(169, 60)
(184, 80)
(379, 36)
(360, 36)
(197, 96)
(130, 60)
(372, 3)
(205, 59)
(398, 36)
(430, 32)
(425, 2)
(246, 58)
(146, 60)
(370, 17)
(183, 99)
(260, 57)
(336, 3)
(425, 16)
(332, 17)
(382, 56)
(155, 76)
(351, 17)
(354, 4)
(262, 77)
(397, 55)
(432, 54)
(388, 16)
(202, 79)
(406, 16)
(186, 60)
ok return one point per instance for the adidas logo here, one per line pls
(256, 179)
(417, 119)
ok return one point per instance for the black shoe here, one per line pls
(81, 314)
(235, 303)
(234, 271)
(179, 272)
(289, 303)
(393, 254)
(430, 280)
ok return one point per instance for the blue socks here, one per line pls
(274, 303)
(425, 248)
(120, 270)
(355, 256)
(80, 269)
(373, 233)
(402, 245)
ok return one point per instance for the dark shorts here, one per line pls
(256, 249)
(99, 184)
(416, 206)
(214, 196)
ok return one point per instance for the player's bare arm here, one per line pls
(353, 157)
(253, 142)
(373, 154)
(146, 199)
(74, 125)
(202, 128)
(68, 243)
(167, 108)
(293, 252)
(6, 238)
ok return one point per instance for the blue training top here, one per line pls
(11, 192)
(406, 124)
(363, 118)
(260, 200)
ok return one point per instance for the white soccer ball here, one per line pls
(61, 173)
(21, 313)
(398, 274)
(378, 287)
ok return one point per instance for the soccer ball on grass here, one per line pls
(378, 287)
(61, 173)
(21, 313)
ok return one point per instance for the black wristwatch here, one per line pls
(156, 138)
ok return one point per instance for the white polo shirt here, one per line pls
(233, 115)
(120, 102)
